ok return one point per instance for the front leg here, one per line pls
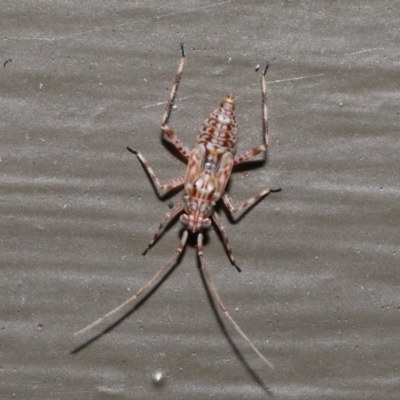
(161, 189)
(221, 228)
(169, 216)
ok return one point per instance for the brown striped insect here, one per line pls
(209, 168)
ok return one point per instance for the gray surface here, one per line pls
(319, 291)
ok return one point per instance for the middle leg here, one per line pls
(161, 188)
(247, 204)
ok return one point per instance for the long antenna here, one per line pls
(217, 298)
(149, 285)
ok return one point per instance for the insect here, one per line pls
(209, 168)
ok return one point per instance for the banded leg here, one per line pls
(169, 216)
(174, 89)
(173, 138)
(218, 300)
(249, 154)
(221, 228)
(161, 188)
(145, 288)
(248, 203)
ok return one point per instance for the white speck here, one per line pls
(159, 377)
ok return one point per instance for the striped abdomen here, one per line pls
(219, 132)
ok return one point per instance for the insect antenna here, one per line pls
(146, 287)
(217, 298)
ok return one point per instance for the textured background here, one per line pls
(319, 292)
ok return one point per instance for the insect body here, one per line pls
(209, 167)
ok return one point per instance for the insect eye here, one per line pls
(184, 219)
(206, 223)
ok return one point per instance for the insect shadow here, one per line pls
(252, 373)
(128, 313)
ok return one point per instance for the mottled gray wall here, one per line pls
(319, 291)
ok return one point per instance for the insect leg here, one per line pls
(174, 87)
(146, 287)
(161, 188)
(174, 139)
(218, 300)
(248, 203)
(221, 228)
(170, 215)
(249, 154)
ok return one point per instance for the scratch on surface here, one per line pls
(364, 51)
(118, 25)
(297, 78)
(164, 102)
